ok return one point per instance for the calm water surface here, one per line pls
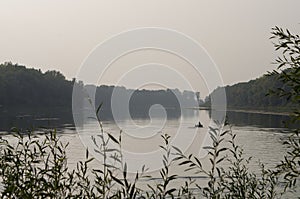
(261, 135)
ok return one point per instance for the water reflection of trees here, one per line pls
(35, 118)
(256, 119)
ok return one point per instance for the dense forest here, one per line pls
(30, 87)
(24, 87)
(254, 94)
(140, 101)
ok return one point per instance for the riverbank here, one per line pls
(258, 110)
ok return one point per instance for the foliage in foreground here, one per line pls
(37, 168)
(288, 69)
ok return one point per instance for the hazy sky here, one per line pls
(59, 34)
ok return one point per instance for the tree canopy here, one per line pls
(254, 94)
(30, 87)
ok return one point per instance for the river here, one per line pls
(260, 134)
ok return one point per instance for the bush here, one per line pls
(37, 168)
(288, 68)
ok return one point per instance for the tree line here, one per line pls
(255, 94)
(28, 87)
(20, 86)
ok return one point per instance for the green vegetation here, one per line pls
(289, 74)
(254, 95)
(30, 87)
(35, 168)
(22, 87)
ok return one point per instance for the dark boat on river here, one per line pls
(199, 125)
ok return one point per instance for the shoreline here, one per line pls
(265, 112)
(245, 110)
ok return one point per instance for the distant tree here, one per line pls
(20, 86)
(24, 87)
(252, 94)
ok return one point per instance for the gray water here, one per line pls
(260, 135)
